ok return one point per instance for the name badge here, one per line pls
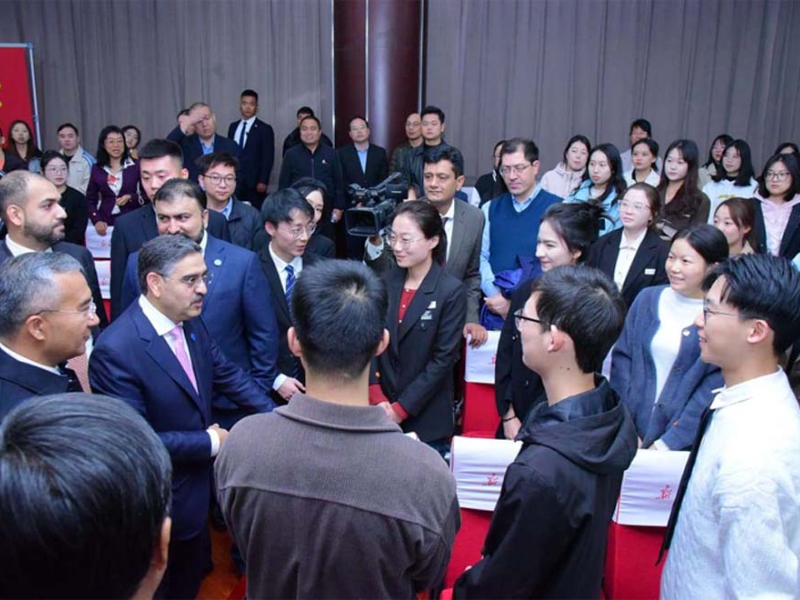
(649, 271)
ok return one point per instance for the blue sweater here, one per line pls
(611, 208)
(688, 388)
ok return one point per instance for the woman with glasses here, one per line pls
(567, 176)
(734, 178)
(633, 256)
(656, 366)
(777, 214)
(736, 218)
(413, 379)
(114, 181)
(56, 170)
(603, 184)
(682, 202)
(566, 233)
(712, 165)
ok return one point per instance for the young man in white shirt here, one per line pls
(737, 528)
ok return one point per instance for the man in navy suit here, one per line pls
(159, 161)
(161, 360)
(237, 309)
(202, 121)
(256, 139)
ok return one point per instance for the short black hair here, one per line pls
(51, 155)
(249, 93)
(278, 207)
(790, 162)
(312, 118)
(161, 254)
(179, 188)
(339, 309)
(305, 110)
(350, 122)
(708, 241)
(516, 144)
(85, 487)
(65, 125)
(436, 154)
(762, 286)
(159, 148)
(209, 161)
(586, 305)
(432, 110)
(644, 125)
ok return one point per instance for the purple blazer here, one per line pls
(101, 200)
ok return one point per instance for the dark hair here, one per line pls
(65, 125)
(790, 162)
(652, 145)
(159, 148)
(576, 223)
(762, 286)
(725, 139)
(311, 118)
(305, 110)
(339, 309)
(652, 195)
(278, 207)
(103, 159)
(617, 181)
(432, 110)
(183, 113)
(31, 151)
(128, 128)
(526, 146)
(437, 154)
(708, 241)
(577, 138)
(586, 305)
(175, 189)
(85, 487)
(350, 122)
(746, 172)
(51, 155)
(249, 93)
(743, 214)
(306, 185)
(429, 222)
(642, 124)
(161, 254)
(689, 197)
(215, 159)
(791, 145)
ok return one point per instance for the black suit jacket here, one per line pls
(83, 256)
(790, 243)
(648, 266)
(258, 154)
(417, 368)
(288, 364)
(377, 168)
(192, 149)
(20, 381)
(131, 231)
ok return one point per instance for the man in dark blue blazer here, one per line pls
(256, 139)
(237, 308)
(203, 123)
(161, 360)
(159, 161)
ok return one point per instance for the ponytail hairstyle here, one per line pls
(429, 222)
(576, 223)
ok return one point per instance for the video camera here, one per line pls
(377, 205)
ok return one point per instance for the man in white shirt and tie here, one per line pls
(256, 139)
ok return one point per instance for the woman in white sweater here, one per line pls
(566, 177)
(734, 178)
(644, 156)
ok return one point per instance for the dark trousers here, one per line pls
(189, 561)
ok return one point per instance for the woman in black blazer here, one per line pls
(638, 211)
(413, 378)
(778, 186)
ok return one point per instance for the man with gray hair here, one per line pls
(159, 358)
(46, 316)
(31, 210)
(197, 135)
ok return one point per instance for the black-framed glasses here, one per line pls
(519, 317)
(707, 311)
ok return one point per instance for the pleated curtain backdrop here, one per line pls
(101, 62)
(548, 69)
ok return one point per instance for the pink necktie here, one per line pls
(180, 352)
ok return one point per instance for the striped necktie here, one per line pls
(290, 281)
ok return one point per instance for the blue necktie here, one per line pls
(290, 279)
(242, 134)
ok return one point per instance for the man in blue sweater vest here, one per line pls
(512, 220)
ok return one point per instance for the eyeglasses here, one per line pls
(519, 318)
(89, 312)
(404, 243)
(707, 311)
(216, 179)
(637, 206)
(777, 176)
(56, 170)
(518, 169)
(192, 281)
(298, 232)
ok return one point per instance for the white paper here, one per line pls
(649, 488)
(479, 467)
(480, 361)
(103, 268)
(99, 246)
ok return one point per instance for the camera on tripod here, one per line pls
(377, 205)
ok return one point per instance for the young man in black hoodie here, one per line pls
(548, 534)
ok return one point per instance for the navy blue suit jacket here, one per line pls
(20, 381)
(192, 149)
(237, 311)
(131, 362)
(258, 154)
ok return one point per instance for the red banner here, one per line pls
(15, 89)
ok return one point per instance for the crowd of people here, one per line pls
(265, 386)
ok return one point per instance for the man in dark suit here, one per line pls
(364, 164)
(159, 161)
(237, 309)
(161, 360)
(48, 314)
(34, 220)
(196, 134)
(257, 143)
(289, 221)
(293, 139)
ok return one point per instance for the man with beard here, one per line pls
(34, 219)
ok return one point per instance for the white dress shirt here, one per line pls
(163, 325)
(280, 266)
(248, 124)
(28, 361)
(627, 252)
